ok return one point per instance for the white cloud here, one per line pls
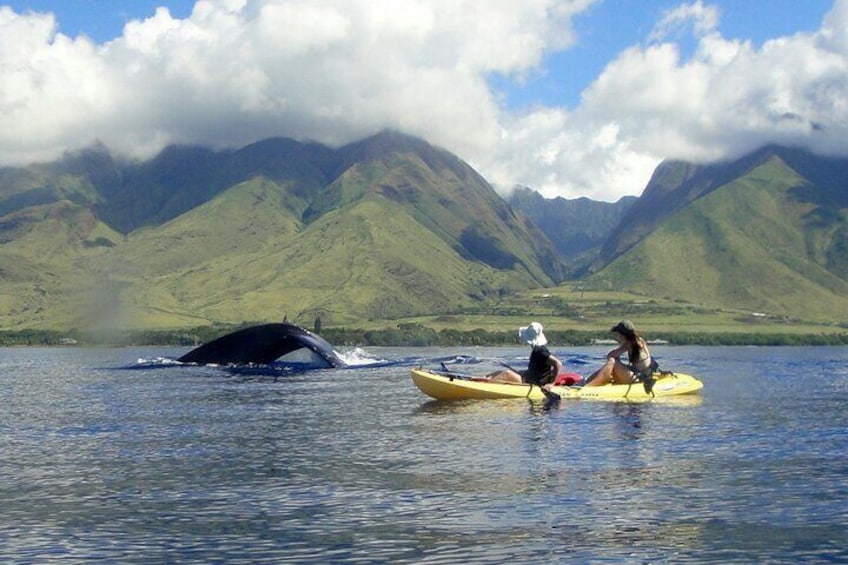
(336, 70)
(237, 71)
(727, 99)
(703, 18)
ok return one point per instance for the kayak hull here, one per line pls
(449, 387)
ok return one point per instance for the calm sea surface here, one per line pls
(111, 456)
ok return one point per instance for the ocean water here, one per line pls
(120, 456)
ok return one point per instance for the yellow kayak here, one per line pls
(448, 386)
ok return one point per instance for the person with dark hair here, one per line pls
(542, 368)
(640, 365)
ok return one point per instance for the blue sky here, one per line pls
(610, 26)
(571, 97)
(101, 20)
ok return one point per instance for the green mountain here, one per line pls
(386, 227)
(391, 227)
(767, 233)
(577, 227)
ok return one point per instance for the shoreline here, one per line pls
(418, 336)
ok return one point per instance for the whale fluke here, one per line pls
(263, 344)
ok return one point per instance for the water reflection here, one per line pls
(627, 420)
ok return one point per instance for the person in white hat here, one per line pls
(543, 367)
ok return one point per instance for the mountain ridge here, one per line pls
(165, 242)
(769, 240)
(676, 184)
(577, 227)
(391, 227)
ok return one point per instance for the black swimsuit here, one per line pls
(538, 366)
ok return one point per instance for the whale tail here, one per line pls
(263, 344)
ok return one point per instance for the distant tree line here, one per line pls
(406, 335)
(413, 335)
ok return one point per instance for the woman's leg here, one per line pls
(505, 376)
(603, 375)
(621, 373)
(613, 371)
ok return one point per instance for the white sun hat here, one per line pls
(533, 335)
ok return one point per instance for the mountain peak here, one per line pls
(385, 143)
(765, 232)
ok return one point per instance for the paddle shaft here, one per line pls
(552, 396)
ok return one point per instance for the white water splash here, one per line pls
(358, 357)
(157, 361)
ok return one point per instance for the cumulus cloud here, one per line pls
(239, 70)
(727, 99)
(334, 71)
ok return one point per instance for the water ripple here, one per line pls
(176, 464)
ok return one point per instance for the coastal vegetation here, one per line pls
(573, 315)
(413, 335)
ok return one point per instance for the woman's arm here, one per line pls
(617, 352)
(554, 367)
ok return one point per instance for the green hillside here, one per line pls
(349, 264)
(446, 197)
(750, 244)
(43, 265)
(391, 230)
(385, 228)
(577, 227)
(367, 253)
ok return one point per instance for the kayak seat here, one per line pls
(567, 379)
(647, 377)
